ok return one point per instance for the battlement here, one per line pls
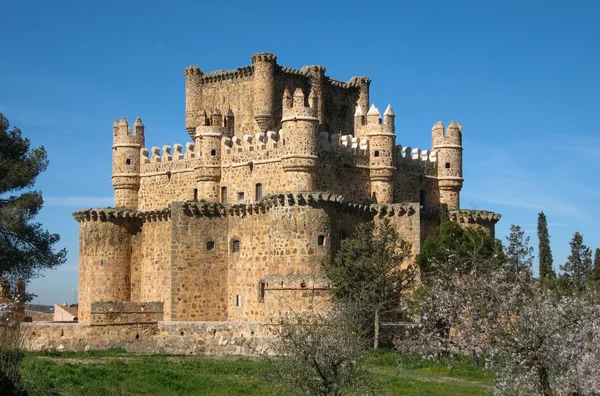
(335, 142)
(451, 137)
(263, 57)
(295, 108)
(372, 122)
(169, 154)
(124, 136)
(415, 160)
(248, 143)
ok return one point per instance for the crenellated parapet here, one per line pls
(483, 219)
(343, 149)
(415, 160)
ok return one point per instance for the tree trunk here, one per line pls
(474, 358)
(376, 335)
(543, 377)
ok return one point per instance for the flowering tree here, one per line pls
(538, 341)
(320, 354)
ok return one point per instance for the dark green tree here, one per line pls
(451, 242)
(25, 247)
(577, 270)
(369, 272)
(519, 255)
(596, 268)
(547, 273)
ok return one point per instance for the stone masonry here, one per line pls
(234, 225)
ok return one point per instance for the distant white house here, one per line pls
(64, 313)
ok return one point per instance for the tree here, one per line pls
(320, 354)
(596, 268)
(545, 254)
(448, 240)
(25, 247)
(369, 272)
(537, 341)
(519, 255)
(578, 268)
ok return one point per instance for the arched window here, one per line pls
(321, 240)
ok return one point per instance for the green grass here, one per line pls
(116, 372)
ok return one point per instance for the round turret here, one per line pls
(104, 261)
(264, 89)
(300, 131)
(126, 162)
(448, 147)
(208, 152)
(193, 97)
(382, 138)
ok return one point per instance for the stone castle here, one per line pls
(234, 225)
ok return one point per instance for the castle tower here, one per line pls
(300, 126)
(264, 89)
(104, 258)
(317, 77)
(362, 83)
(208, 152)
(382, 138)
(126, 162)
(449, 162)
(193, 97)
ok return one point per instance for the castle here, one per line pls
(234, 225)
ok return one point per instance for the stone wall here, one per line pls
(151, 262)
(198, 274)
(104, 260)
(169, 338)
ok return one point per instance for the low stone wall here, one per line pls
(169, 338)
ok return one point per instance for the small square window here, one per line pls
(210, 245)
(213, 152)
(235, 246)
(447, 165)
(240, 197)
(128, 162)
(376, 153)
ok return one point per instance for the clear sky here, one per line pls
(521, 76)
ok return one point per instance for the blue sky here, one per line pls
(521, 76)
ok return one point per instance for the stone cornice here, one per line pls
(474, 216)
(110, 214)
(212, 209)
